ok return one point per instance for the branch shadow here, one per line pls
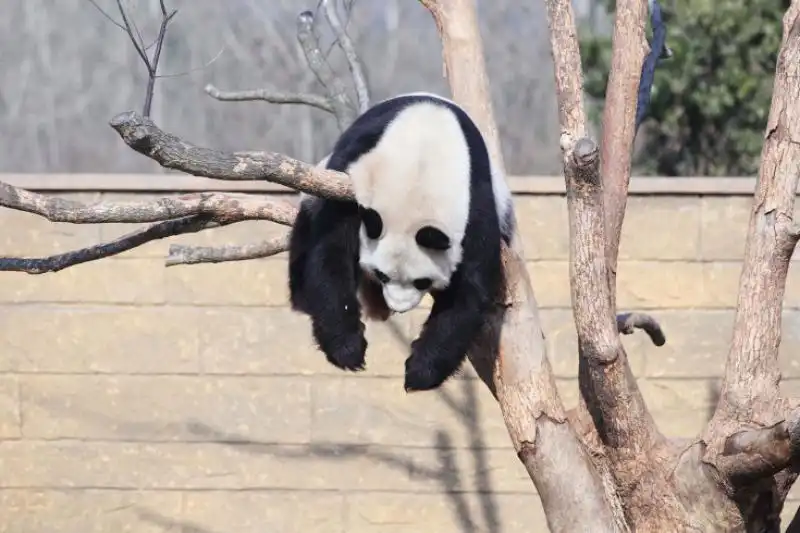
(445, 473)
(170, 524)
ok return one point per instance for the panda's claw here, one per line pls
(346, 352)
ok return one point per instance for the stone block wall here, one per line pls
(135, 397)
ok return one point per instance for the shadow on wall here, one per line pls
(445, 471)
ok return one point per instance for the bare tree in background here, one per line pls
(604, 467)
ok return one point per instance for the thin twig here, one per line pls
(190, 255)
(196, 69)
(106, 15)
(307, 36)
(150, 64)
(129, 30)
(153, 69)
(272, 97)
(346, 44)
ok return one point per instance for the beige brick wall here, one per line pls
(135, 397)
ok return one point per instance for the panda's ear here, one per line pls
(373, 223)
(430, 237)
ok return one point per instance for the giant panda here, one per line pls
(430, 213)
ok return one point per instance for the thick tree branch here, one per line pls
(343, 107)
(750, 388)
(457, 23)
(336, 102)
(189, 255)
(223, 207)
(141, 134)
(619, 122)
(568, 68)
(161, 230)
(610, 392)
(353, 61)
(752, 454)
(514, 343)
(273, 97)
(608, 389)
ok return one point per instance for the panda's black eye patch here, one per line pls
(383, 278)
(423, 284)
(430, 237)
(373, 223)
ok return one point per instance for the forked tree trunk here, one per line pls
(622, 473)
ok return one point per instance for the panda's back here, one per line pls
(418, 169)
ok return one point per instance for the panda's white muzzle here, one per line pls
(401, 298)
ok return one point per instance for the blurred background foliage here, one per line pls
(66, 70)
(710, 100)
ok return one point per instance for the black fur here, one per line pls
(373, 223)
(324, 274)
(430, 237)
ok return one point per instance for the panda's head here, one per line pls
(409, 263)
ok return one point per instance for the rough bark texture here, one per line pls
(522, 379)
(604, 467)
(141, 134)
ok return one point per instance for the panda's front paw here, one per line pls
(344, 350)
(349, 353)
(422, 371)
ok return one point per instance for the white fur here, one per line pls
(502, 194)
(418, 174)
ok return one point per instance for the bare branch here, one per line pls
(568, 70)
(626, 421)
(628, 50)
(223, 207)
(273, 97)
(188, 213)
(610, 396)
(756, 453)
(107, 15)
(346, 44)
(308, 38)
(195, 69)
(153, 66)
(161, 230)
(514, 343)
(469, 83)
(188, 255)
(628, 322)
(749, 391)
(141, 134)
(128, 26)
